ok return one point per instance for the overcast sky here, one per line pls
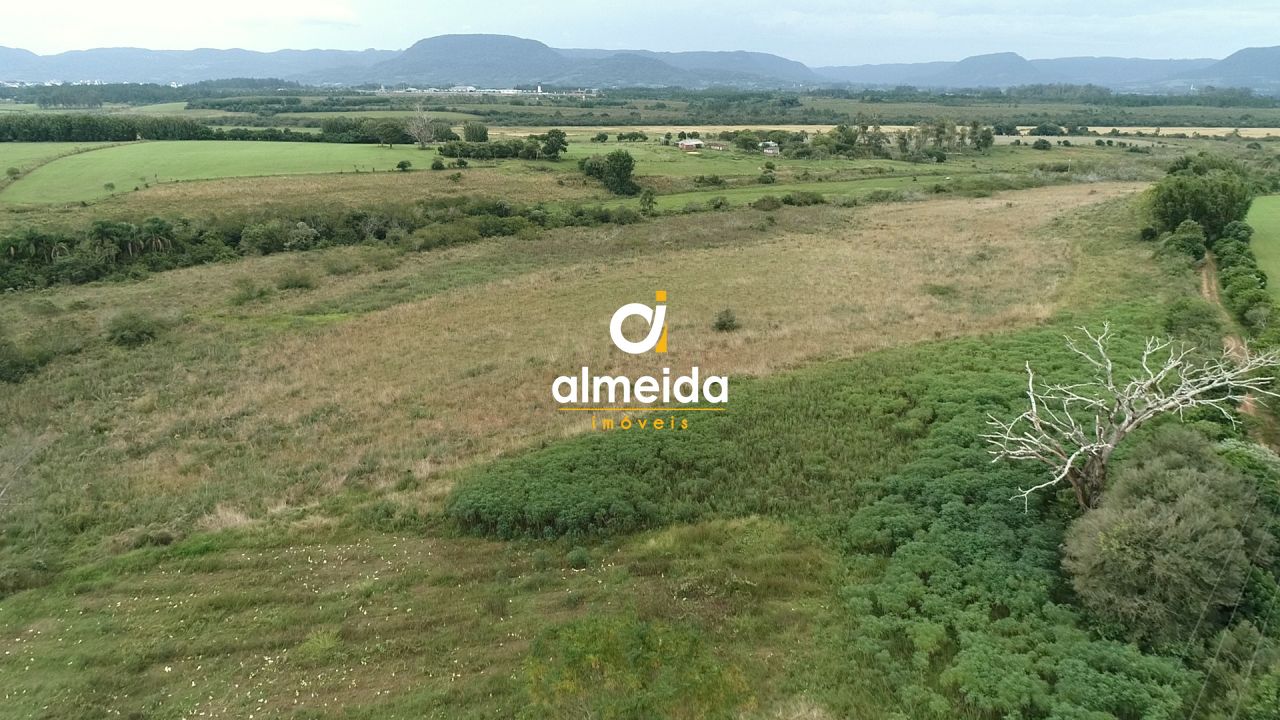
(817, 32)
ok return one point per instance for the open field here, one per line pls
(1264, 216)
(137, 167)
(277, 436)
(27, 156)
(84, 177)
(300, 447)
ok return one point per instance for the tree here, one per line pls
(404, 165)
(1213, 199)
(1041, 144)
(442, 131)
(554, 142)
(419, 128)
(1171, 545)
(614, 170)
(600, 137)
(648, 201)
(473, 131)
(1075, 428)
(388, 131)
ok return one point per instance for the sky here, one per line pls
(816, 32)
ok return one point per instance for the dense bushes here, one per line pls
(1162, 560)
(52, 127)
(614, 170)
(133, 328)
(1211, 192)
(121, 250)
(1243, 282)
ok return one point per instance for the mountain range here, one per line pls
(501, 61)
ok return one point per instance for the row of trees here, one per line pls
(545, 146)
(108, 249)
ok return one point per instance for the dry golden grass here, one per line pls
(424, 386)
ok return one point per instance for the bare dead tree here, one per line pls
(1074, 429)
(419, 127)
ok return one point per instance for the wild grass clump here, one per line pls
(247, 291)
(726, 321)
(133, 328)
(296, 278)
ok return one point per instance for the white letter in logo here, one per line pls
(657, 319)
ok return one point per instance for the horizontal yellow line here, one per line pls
(640, 409)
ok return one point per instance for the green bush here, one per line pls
(579, 558)
(1175, 516)
(1188, 240)
(404, 165)
(1042, 144)
(1196, 322)
(802, 198)
(437, 164)
(767, 203)
(726, 321)
(132, 328)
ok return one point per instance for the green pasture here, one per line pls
(27, 156)
(85, 176)
(1264, 216)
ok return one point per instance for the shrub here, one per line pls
(767, 203)
(437, 164)
(1188, 239)
(132, 328)
(578, 558)
(404, 165)
(1148, 234)
(12, 172)
(248, 291)
(1195, 321)
(766, 178)
(1174, 516)
(802, 198)
(726, 321)
(1041, 144)
(614, 170)
(295, 278)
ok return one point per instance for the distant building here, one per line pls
(770, 148)
(690, 144)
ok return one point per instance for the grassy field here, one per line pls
(84, 177)
(297, 449)
(1264, 216)
(52, 178)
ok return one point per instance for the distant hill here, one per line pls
(503, 61)
(884, 74)
(1118, 72)
(998, 70)
(717, 65)
(183, 66)
(1257, 68)
(482, 60)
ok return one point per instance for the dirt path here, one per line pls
(1232, 343)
